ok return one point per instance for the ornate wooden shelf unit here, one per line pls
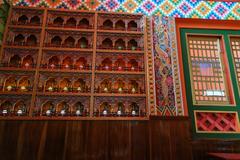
(71, 65)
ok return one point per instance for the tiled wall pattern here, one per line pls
(172, 8)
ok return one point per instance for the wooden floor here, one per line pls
(156, 139)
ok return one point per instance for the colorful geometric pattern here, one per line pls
(168, 94)
(172, 8)
(216, 122)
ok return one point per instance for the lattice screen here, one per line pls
(216, 121)
(235, 45)
(206, 70)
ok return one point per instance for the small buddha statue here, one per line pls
(79, 109)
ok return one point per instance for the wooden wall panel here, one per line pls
(170, 138)
(94, 140)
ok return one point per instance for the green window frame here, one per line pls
(193, 109)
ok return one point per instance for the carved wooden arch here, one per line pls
(19, 38)
(57, 39)
(6, 83)
(59, 106)
(10, 105)
(106, 83)
(55, 83)
(45, 106)
(84, 22)
(17, 105)
(22, 19)
(58, 21)
(14, 63)
(108, 107)
(24, 81)
(120, 24)
(119, 83)
(32, 40)
(75, 105)
(80, 82)
(67, 61)
(27, 59)
(65, 82)
(107, 24)
(55, 63)
(35, 19)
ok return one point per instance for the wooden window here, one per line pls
(235, 46)
(207, 70)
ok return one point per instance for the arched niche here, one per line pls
(56, 41)
(24, 84)
(79, 85)
(32, 40)
(120, 107)
(120, 25)
(15, 61)
(48, 105)
(107, 24)
(20, 105)
(133, 86)
(132, 26)
(119, 63)
(105, 106)
(84, 23)
(67, 62)
(62, 106)
(106, 85)
(83, 42)
(35, 20)
(65, 84)
(120, 44)
(53, 62)
(28, 61)
(134, 107)
(107, 64)
(22, 19)
(6, 105)
(69, 42)
(19, 39)
(119, 85)
(78, 106)
(10, 84)
(107, 43)
(132, 64)
(132, 44)
(58, 21)
(81, 63)
(51, 84)
(71, 22)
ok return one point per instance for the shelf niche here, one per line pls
(22, 20)
(50, 85)
(10, 84)
(120, 25)
(6, 106)
(67, 62)
(56, 41)
(19, 39)
(107, 43)
(107, 24)
(132, 26)
(20, 108)
(120, 44)
(15, 61)
(32, 40)
(82, 42)
(80, 85)
(71, 22)
(69, 42)
(84, 23)
(28, 61)
(58, 21)
(65, 85)
(35, 20)
(24, 84)
(53, 62)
